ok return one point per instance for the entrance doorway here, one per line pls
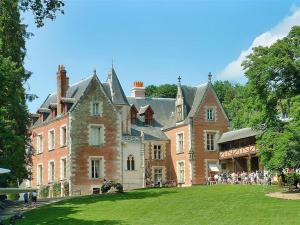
(254, 164)
(240, 164)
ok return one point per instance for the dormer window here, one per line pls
(133, 114)
(147, 112)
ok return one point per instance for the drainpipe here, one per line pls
(143, 158)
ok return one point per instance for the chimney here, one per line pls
(62, 86)
(138, 89)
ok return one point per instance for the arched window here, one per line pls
(130, 163)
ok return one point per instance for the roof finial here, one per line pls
(95, 72)
(179, 79)
(209, 77)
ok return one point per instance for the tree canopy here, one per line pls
(161, 91)
(14, 115)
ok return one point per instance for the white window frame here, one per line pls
(62, 127)
(99, 113)
(210, 113)
(131, 158)
(180, 179)
(101, 167)
(39, 143)
(50, 148)
(102, 134)
(50, 171)
(216, 136)
(62, 169)
(39, 174)
(158, 148)
(179, 143)
(161, 174)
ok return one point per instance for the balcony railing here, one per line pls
(237, 152)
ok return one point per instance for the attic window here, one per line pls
(148, 117)
(133, 114)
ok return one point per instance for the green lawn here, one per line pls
(219, 204)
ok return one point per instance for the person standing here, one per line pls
(34, 197)
(25, 196)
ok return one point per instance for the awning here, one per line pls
(213, 167)
(2, 170)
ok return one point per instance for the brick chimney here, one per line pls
(62, 86)
(138, 89)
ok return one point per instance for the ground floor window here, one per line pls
(63, 169)
(158, 175)
(180, 175)
(40, 175)
(51, 171)
(95, 165)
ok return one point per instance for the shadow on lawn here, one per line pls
(118, 196)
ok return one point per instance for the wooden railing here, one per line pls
(237, 152)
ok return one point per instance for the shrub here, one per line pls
(292, 179)
(44, 191)
(66, 188)
(13, 197)
(56, 189)
(111, 184)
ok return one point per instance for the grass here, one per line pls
(219, 204)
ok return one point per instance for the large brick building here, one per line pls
(90, 130)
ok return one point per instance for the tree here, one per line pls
(274, 83)
(14, 116)
(161, 91)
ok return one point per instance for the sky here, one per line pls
(153, 41)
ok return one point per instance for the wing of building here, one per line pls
(90, 131)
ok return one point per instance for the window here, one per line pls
(96, 135)
(180, 172)
(130, 163)
(148, 118)
(157, 175)
(157, 152)
(63, 136)
(180, 143)
(39, 175)
(210, 114)
(51, 171)
(95, 165)
(51, 140)
(63, 167)
(96, 109)
(179, 112)
(210, 141)
(133, 114)
(39, 143)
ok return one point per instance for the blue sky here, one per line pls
(153, 41)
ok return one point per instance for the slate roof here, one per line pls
(163, 116)
(114, 89)
(237, 134)
(75, 91)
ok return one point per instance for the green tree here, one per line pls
(274, 83)
(161, 91)
(14, 116)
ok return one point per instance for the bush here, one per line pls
(292, 180)
(66, 188)
(13, 197)
(44, 191)
(111, 184)
(56, 189)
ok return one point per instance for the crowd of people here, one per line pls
(257, 177)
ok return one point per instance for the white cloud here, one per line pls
(234, 71)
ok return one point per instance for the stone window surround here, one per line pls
(177, 142)
(61, 169)
(38, 175)
(100, 108)
(163, 149)
(53, 147)
(131, 156)
(177, 170)
(102, 134)
(216, 132)
(163, 170)
(214, 113)
(102, 167)
(60, 135)
(42, 145)
(49, 175)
